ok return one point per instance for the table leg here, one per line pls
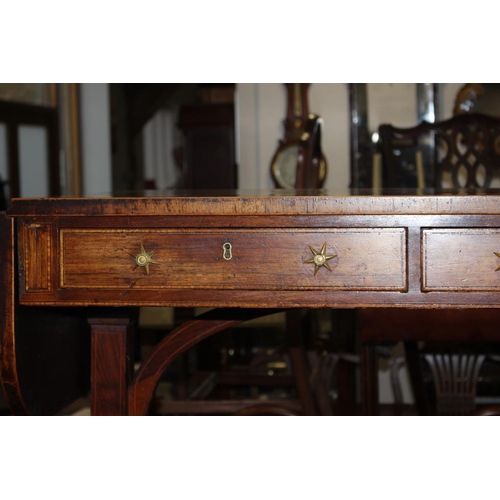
(111, 365)
(298, 361)
(369, 380)
(412, 355)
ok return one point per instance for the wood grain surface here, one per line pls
(461, 259)
(364, 259)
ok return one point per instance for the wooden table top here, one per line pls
(267, 202)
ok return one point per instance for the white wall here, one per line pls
(331, 102)
(33, 164)
(95, 138)
(160, 137)
(448, 94)
(394, 103)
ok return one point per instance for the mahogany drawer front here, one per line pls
(460, 259)
(361, 259)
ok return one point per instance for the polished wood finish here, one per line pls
(371, 236)
(44, 352)
(367, 232)
(195, 259)
(450, 259)
(112, 364)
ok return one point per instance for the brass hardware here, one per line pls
(277, 365)
(319, 259)
(498, 255)
(144, 259)
(228, 251)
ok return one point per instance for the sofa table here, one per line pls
(68, 259)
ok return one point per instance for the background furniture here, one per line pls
(209, 150)
(292, 148)
(15, 115)
(466, 155)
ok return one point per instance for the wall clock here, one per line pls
(284, 161)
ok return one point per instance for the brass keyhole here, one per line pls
(228, 251)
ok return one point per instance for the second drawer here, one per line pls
(460, 259)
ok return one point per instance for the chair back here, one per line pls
(455, 381)
(3, 196)
(462, 152)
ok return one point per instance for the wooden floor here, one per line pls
(82, 409)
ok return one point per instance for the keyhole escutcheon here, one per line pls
(228, 251)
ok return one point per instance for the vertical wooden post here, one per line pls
(111, 365)
(412, 355)
(343, 340)
(298, 360)
(369, 380)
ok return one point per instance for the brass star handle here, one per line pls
(319, 258)
(498, 255)
(144, 259)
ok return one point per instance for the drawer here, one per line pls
(460, 259)
(260, 259)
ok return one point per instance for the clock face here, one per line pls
(284, 167)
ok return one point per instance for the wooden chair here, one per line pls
(470, 369)
(460, 153)
(3, 197)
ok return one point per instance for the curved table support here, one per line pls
(44, 352)
(8, 367)
(177, 342)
